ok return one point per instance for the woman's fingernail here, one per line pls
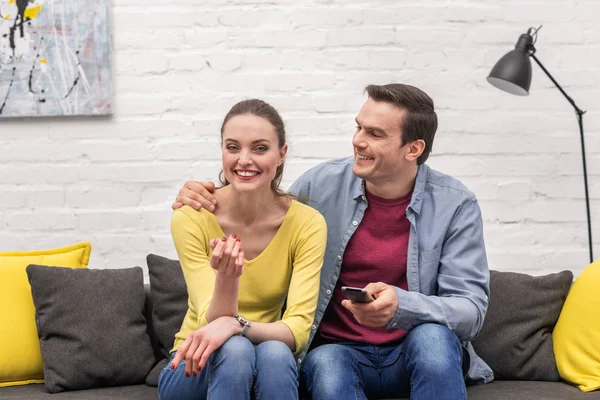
(224, 238)
(195, 373)
(187, 374)
(173, 366)
(239, 240)
(233, 235)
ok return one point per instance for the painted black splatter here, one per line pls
(12, 79)
(37, 56)
(76, 79)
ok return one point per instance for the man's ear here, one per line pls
(282, 153)
(415, 149)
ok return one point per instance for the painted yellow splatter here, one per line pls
(11, 1)
(7, 17)
(43, 61)
(32, 12)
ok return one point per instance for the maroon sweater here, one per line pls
(377, 252)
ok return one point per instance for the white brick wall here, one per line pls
(179, 65)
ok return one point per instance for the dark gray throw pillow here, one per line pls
(516, 338)
(91, 326)
(169, 299)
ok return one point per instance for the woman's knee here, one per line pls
(236, 347)
(274, 353)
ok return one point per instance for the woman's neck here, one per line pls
(247, 207)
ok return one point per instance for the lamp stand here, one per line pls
(579, 113)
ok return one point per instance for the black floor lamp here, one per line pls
(512, 73)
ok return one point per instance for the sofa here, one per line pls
(518, 348)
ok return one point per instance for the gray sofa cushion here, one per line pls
(516, 338)
(169, 299)
(38, 392)
(524, 390)
(91, 326)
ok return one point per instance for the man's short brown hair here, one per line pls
(420, 121)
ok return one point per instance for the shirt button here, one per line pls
(354, 223)
(394, 324)
(339, 258)
(313, 327)
(328, 292)
(299, 360)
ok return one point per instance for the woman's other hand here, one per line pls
(200, 344)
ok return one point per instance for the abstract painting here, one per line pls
(54, 58)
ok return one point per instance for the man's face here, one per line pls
(378, 152)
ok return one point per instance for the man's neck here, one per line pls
(393, 188)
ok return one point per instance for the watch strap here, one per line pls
(244, 323)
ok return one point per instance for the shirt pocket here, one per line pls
(429, 262)
(430, 256)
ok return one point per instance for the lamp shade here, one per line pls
(512, 73)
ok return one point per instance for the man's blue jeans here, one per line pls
(427, 365)
(234, 371)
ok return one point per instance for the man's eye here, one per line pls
(358, 127)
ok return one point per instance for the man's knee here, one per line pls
(327, 365)
(434, 348)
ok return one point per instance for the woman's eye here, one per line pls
(261, 148)
(231, 147)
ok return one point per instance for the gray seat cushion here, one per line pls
(39, 392)
(528, 390)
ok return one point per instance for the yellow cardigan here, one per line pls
(289, 266)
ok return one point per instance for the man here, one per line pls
(414, 238)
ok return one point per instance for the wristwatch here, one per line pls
(244, 323)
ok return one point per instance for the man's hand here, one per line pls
(196, 195)
(200, 344)
(379, 312)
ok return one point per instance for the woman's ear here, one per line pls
(282, 154)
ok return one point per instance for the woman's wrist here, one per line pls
(236, 328)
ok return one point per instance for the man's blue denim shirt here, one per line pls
(447, 271)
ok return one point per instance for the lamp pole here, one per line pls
(512, 73)
(579, 113)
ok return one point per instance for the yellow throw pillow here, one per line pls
(20, 356)
(576, 336)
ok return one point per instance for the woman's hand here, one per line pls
(227, 256)
(200, 344)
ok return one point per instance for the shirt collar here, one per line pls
(358, 188)
(417, 198)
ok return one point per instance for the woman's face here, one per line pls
(251, 152)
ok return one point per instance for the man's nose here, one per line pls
(358, 139)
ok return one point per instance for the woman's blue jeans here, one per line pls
(427, 365)
(237, 370)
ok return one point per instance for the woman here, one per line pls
(257, 252)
